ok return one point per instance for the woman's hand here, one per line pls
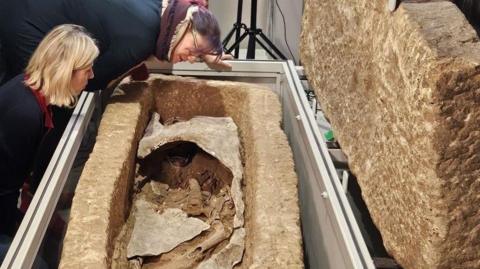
(218, 63)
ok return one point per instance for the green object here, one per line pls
(329, 135)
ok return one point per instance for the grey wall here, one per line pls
(268, 18)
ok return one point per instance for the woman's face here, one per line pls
(188, 48)
(80, 79)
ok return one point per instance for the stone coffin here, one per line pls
(402, 91)
(102, 200)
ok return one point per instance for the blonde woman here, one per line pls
(56, 74)
(128, 33)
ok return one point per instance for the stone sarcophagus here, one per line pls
(402, 91)
(120, 179)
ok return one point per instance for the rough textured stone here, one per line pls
(155, 233)
(217, 136)
(273, 238)
(228, 256)
(402, 91)
(94, 222)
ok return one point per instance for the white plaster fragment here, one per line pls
(218, 136)
(154, 234)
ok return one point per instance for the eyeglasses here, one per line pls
(194, 34)
(198, 58)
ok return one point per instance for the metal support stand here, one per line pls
(252, 32)
(237, 27)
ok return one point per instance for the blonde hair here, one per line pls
(66, 48)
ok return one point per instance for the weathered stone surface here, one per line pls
(273, 238)
(228, 256)
(156, 233)
(402, 93)
(217, 136)
(94, 222)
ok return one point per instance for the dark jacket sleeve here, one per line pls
(118, 59)
(3, 67)
(20, 136)
(125, 30)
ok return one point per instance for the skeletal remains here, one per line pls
(188, 176)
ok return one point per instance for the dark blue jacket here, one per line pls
(21, 130)
(126, 31)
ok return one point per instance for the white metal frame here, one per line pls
(25, 245)
(338, 210)
(332, 238)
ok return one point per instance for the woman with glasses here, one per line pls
(194, 35)
(56, 74)
(128, 32)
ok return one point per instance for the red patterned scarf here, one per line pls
(44, 107)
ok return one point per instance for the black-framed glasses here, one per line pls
(194, 34)
(198, 58)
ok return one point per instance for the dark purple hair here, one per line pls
(206, 25)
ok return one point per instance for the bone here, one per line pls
(206, 195)
(158, 188)
(136, 263)
(216, 205)
(219, 234)
(139, 182)
(195, 202)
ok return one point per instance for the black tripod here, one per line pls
(252, 32)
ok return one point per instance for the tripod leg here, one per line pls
(237, 48)
(239, 22)
(229, 36)
(266, 49)
(237, 37)
(237, 43)
(277, 51)
(253, 29)
(251, 46)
